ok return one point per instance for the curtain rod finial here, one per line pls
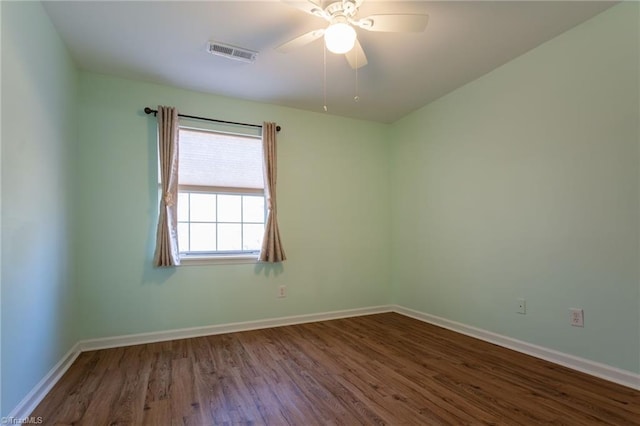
(278, 128)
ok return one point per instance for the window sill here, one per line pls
(219, 260)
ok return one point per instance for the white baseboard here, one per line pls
(39, 391)
(185, 333)
(603, 371)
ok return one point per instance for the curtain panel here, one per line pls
(167, 253)
(272, 250)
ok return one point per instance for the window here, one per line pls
(221, 203)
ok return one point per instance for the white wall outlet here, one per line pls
(577, 317)
(522, 306)
(282, 291)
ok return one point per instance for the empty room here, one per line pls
(320, 212)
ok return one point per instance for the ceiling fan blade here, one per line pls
(394, 23)
(356, 57)
(300, 41)
(312, 7)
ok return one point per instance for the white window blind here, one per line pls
(214, 161)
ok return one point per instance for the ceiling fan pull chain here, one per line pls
(356, 98)
(324, 84)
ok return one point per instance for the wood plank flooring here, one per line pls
(377, 369)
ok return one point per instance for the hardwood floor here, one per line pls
(377, 369)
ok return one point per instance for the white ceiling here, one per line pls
(165, 42)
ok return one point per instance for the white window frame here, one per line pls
(222, 257)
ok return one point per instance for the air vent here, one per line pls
(231, 52)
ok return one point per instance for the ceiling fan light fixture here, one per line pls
(340, 37)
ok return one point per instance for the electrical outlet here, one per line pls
(577, 317)
(282, 291)
(522, 306)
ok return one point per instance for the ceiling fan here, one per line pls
(340, 36)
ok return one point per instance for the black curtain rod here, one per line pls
(148, 110)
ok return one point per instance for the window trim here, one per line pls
(219, 259)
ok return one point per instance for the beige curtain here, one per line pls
(167, 235)
(272, 250)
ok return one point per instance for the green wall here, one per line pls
(38, 135)
(524, 183)
(334, 216)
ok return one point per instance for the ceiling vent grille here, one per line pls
(231, 52)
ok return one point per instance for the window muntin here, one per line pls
(220, 223)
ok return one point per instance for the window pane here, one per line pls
(203, 237)
(252, 237)
(203, 208)
(229, 237)
(253, 209)
(229, 208)
(183, 237)
(183, 207)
